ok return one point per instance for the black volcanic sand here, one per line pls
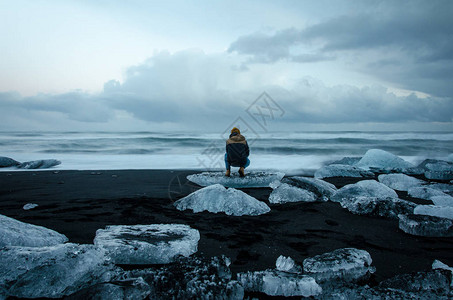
(77, 203)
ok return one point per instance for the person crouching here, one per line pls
(237, 152)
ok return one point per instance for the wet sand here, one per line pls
(77, 203)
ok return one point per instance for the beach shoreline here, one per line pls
(77, 203)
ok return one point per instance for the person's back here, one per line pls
(237, 152)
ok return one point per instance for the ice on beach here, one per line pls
(39, 164)
(443, 187)
(364, 188)
(320, 188)
(191, 278)
(424, 225)
(377, 159)
(433, 210)
(342, 171)
(437, 264)
(287, 264)
(346, 161)
(147, 244)
(17, 233)
(6, 162)
(252, 179)
(381, 207)
(54, 271)
(276, 283)
(440, 170)
(287, 193)
(216, 198)
(29, 206)
(424, 192)
(347, 264)
(446, 200)
(400, 182)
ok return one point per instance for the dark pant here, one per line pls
(227, 165)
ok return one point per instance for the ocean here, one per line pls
(293, 153)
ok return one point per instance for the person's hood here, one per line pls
(237, 138)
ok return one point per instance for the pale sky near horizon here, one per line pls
(169, 65)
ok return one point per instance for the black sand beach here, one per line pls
(77, 203)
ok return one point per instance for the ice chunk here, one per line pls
(135, 288)
(16, 233)
(442, 200)
(347, 264)
(437, 264)
(443, 187)
(216, 198)
(191, 278)
(377, 159)
(382, 207)
(346, 161)
(287, 264)
(39, 164)
(7, 162)
(147, 244)
(400, 182)
(287, 193)
(433, 210)
(321, 188)
(276, 283)
(364, 188)
(342, 171)
(424, 192)
(423, 225)
(29, 206)
(54, 271)
(441, 170)
(253, 179)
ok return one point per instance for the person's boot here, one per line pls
(227, 174)
(241, 172)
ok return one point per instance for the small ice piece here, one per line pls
(216, 198)
(442, 200)
(147, 244)
(382, 207)
(433, 210)
(287, 264)
(437, 264)
(382, 160)
(342, 171)
(441, 170)
(423, 225)
(364, 188)
(348, 264)
(276, 283)
(16, 233)
(39, 164)
(400, 182)
(287, 193)
(54, 271)
(6, 162)
(321, 188)
(252, 179)
(423, 192)
(29, 206)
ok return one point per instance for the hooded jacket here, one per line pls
(237, 150)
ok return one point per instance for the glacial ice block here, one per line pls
(54, 271)
(147, 244)
(446, 200)
(382, 160)
(39, 164)
(342, 171)
(364, 188)
(7, 162)
(424, 225)
(347, 264)
(16, 233)
(276, 283)
(436, 211)
(423, 192)
(216, 198)
(381, 207)
(440, 170)
(287, 193)
(287, 264)
(252, 179)
(400, 182)
(320, 188)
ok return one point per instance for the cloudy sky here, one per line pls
(200, 65)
